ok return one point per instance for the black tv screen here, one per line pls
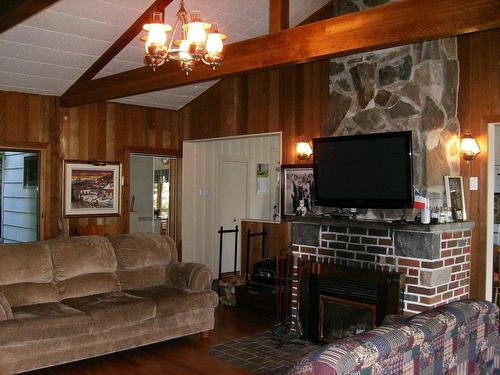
(368, 170)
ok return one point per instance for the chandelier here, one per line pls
(189, 43)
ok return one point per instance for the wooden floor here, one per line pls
(186, 355)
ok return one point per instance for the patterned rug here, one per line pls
(262, 353)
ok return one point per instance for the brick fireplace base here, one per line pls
(435, 259)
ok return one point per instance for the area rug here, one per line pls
(262, 353)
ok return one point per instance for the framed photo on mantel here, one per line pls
(91, 189)
(454, 187)
(297, 183)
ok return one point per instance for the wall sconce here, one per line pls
(303, 149)
(469, 147)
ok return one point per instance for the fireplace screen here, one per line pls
(340, 318)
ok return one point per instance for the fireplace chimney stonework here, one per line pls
(435, 259)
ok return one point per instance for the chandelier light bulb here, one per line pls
(157, 37)
(184, 54)
(214, 43)
(196, 30)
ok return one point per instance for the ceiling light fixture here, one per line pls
(197, 41)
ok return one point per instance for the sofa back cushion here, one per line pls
(26, 274)
(83, 266)
(142, 258)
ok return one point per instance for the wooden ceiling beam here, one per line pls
(13, 12)
(397, 23)
(123, 40)
(279, 15)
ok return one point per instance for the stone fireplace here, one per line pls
(434, 259)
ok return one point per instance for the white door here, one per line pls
(232, 207)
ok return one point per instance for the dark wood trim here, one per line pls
(389, 25)
(279, 15)
(13, 12)
(122, 41)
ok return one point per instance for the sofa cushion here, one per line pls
(5, 308)
(42, 321)
(29, 293)
(142, 258)
(26, 274)
(87, 285)
(142, 277)
(84, 266)
(139, 250)
(109, 310)
(25, 263)
(76, 256)
(171, 301)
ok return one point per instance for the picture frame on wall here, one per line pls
(297, 183)
(91, 189)
(454, 188)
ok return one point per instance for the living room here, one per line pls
(353, 67)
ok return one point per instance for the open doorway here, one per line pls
(227, 181)
(152, 194)
(19, 195)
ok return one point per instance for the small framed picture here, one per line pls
(455, 199)
(91, 189)
(297, 184)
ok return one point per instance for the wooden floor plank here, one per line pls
(185, 355)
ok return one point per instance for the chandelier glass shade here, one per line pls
(189, 43)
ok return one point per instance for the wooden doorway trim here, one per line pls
(45, 208)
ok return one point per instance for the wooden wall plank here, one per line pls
(99, 131)
(478, 105)
(293, 100)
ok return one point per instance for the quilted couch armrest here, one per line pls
(189, 276)
(5, 308)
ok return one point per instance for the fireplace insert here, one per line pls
(337, 301)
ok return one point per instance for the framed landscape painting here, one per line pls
(91, 189)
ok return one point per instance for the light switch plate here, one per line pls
(473, 183)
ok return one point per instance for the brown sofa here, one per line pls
(68, 299)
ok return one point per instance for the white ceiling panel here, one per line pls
(48, 52)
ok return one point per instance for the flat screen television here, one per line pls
(367, 170)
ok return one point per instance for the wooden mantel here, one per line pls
(401, 22)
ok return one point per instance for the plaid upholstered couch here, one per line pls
(458, 338)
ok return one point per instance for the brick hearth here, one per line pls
(435, 259)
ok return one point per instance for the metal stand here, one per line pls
(250, 235)
(221, 232)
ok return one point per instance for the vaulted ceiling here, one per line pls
(48, 52)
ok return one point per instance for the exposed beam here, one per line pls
(124, 40)
(13, 12)
(401, 22)
(279, 15)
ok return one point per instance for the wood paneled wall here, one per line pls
(293, 100)
(478, 105)
(102, 131)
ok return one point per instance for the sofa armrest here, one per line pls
(189, 276)
(5, 308)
